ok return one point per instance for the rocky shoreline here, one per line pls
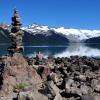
(74, 78)
(39, 78)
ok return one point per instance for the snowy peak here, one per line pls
(78, 33)
(36, 28)
(74, 35)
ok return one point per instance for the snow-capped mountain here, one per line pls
(38, 37)
(74, 35)
(78, 34)
(36, 29)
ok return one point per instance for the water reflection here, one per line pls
(46, 50)
(79, 49)
(93, 45)
(3, 49)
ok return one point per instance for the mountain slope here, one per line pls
(43, 35)
(93, 40)
(4, 36)
(73, 35)
(43, 39)
(49, 38)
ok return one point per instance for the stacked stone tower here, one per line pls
(16, 34)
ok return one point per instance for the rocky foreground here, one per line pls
(74, 78)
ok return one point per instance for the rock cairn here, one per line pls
(18, 79)
(16, 34)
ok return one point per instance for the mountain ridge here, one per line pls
(54, 36)
(74, 35)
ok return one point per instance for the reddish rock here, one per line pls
(18, 71)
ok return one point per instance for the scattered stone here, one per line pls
(69, 78)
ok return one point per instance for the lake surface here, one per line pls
(80, 49)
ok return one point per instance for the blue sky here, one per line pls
(83, 14)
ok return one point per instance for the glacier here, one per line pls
(74, 35)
